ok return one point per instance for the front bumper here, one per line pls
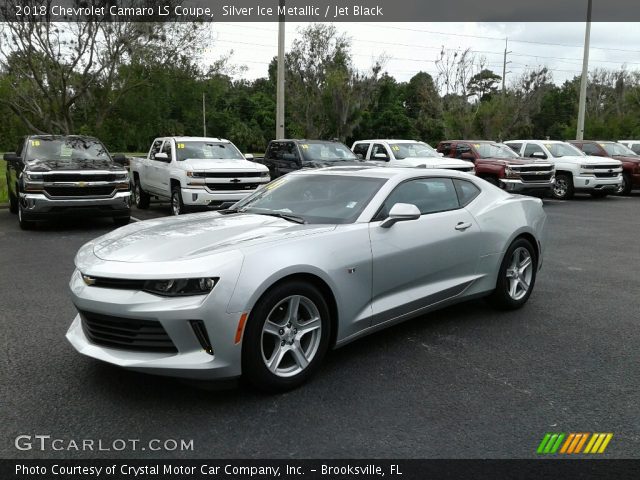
(201, 197)
(39, 205)
(591, 183)
(174, 314)
(518, 186)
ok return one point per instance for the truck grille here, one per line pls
(126, 333)
(232, 186)
(545, 177)
(606, 174)
(79, 191)
(227, 174)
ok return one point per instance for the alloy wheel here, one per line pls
(291, 336)
(560, 188)
(519, 273)
(175, 204)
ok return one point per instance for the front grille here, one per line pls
(606, 174)
(118, 283)
(79, 177)
(79, 191)
(603, 167)
(532, 168)
(126, 333)
(227, 174)
(232, 186)
(536, 178)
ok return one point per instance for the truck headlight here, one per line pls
(180, 287)
(33, 182)
(511, 173)
(264, 174)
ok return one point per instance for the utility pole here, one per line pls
(585, 75)
(504, 65)
(204, 118)
(280, 79)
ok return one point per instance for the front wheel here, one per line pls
(25, 223)
(516, 277)
(177, 206)
(286, 337)
(563, 188)
(625, 186)
(140, 197)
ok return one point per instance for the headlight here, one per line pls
(511, 173)
(33, 181)
(587, 170)
(195, 174)
(180, 287)
(264, 174)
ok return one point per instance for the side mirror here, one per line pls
(381, 156)
(11, 157)
(401, 212)
(441, 154)
(163, 157)
(120, 159)
(249, 156)
(538, 155)
(360, 156)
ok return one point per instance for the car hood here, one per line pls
(195, 235)
(335, 163)
(588, 160)
(44, 165)
(204, 165)
(512, 161)
(629, 159)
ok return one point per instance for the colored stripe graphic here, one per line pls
(555, 443)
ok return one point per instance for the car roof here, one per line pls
(401, 173)
(471, 141)
(306, 140)
(535, 141)
(197, 139)
(54, 137)
(390, 140)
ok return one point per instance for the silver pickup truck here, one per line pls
(51, 175)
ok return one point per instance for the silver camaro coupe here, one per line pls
(309, 262)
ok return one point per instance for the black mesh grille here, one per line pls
(228, 174)
(79, 191)
(532, 168)
(126, 333)
(536, 178)
(606, 174)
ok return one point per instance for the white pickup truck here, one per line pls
(195, 172)
(575, 171)
(407, 153)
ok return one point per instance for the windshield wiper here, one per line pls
(272, 213)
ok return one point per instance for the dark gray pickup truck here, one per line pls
(52, 175)
(284, 156)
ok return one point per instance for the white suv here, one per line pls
(407, 153)
(575, 171)
(195, 172)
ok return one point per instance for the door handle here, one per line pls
(462, 226)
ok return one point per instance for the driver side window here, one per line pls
(430, 195)
(378, 149)
(166, 148)
(532, 149)
(155, 148)
(461, 149)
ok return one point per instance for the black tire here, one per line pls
(563, 188)
(500, 297)
(255, 347)
(23, 219)
(122, 221)
(141, 198)
(627, 185)
(177, 205)
(599, 194)
(13, 203)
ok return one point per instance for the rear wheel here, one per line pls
(140, 197)
(286, 337)
(13, 203)
(517, 276)
(563, 188)
(625, 186)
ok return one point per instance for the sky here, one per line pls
(413, 47)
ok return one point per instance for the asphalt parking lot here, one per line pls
(465, 382)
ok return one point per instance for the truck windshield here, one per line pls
(65, 148)
(313, 198)
(614, 149)
(563, 150)
(204, 150)
(494, 150)
(412, 150)
(326, 152)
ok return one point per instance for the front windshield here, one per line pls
(204, 150)
(412, 150)
(62, 149)
(494, 150)
(314, 198)
(563, 150)
(326, 152)
(615, 149)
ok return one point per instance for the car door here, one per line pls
(361, 149)
(147, 173)
(161, 175)
(421, 262)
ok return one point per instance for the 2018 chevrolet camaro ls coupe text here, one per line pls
(311, 261)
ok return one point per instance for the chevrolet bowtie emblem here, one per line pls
(82, 184)
(235, 180)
